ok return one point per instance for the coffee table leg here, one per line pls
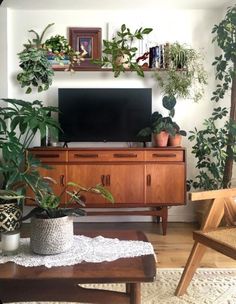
(134, 290)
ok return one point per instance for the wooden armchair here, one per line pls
(221, 239)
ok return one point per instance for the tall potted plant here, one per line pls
(19, 122)
(214, 145)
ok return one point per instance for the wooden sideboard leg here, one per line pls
(164, 219)
(135, 293)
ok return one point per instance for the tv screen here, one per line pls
(103, 115)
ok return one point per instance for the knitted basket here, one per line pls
(51, 236)
(10, 217)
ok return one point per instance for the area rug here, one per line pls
(208, 286)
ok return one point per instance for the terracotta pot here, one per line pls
(10, 217)
(51, 236)
(161, 139)
(175, 141)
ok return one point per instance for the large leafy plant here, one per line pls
(225, 36)
(210, 151)
(121, 47)
(48, 203)
(215, 145)
(19, 122)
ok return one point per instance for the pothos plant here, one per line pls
(37, 70)
(215, 145)
(119, 53)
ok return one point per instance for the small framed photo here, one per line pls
(88, 39)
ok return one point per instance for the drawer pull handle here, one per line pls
(108, 180)
(163, 155)
(62, 180)
(149, 180)
(86, 155)
(103, 180)
(47, 155)
(120, 155)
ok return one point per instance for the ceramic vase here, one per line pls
(10, 217)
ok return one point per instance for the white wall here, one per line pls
(186, 26)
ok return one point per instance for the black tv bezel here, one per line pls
(104, 140)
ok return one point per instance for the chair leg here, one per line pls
(192, 264)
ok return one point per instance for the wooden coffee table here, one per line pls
(18, 283)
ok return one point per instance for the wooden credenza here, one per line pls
(147, 178)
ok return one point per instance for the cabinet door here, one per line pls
(124, 181)
(165, 184)
(87, 176)
(127, 183)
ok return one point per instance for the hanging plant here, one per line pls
(185, 76)
(37, 70)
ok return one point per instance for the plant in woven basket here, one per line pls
(49, 204)
(51, 223)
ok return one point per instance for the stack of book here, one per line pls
(158, 56)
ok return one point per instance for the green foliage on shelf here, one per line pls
(119, 54)
(185, 76)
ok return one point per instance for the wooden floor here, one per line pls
(173, 249)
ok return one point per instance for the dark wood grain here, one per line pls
(61, 283)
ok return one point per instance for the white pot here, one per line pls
(51, 236)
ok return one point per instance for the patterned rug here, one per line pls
(208, 286)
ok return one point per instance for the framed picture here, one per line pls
(88, 39)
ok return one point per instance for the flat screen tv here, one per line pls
(104, 114)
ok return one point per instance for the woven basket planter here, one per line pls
(10, 217)
(51, 236)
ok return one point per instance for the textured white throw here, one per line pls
(95, 250)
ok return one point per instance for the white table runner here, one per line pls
(95, 250)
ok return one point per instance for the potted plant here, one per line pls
(119, 52)
(160, 127)
(185, 76)
(176, 138)
(19, 122)
(37, 69)
(51, 224)
(58, 49)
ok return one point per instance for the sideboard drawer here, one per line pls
(165, 156)
(49, 156)
(105, 156)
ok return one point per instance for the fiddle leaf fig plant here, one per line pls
(119, 53)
